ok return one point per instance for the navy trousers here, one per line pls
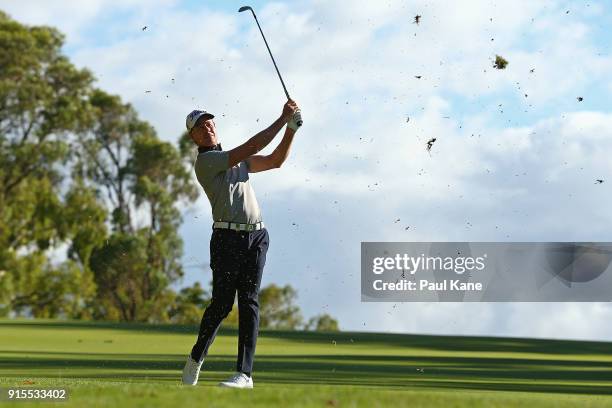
(237, 260)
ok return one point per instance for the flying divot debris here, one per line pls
(500, 62)
(430, 143)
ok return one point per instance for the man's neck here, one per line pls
(202, 149)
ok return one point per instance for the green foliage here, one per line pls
(43, 290)
(187, 149)
(232, 318)
(137, 173)
(277, 309)
(43, 101)
(75, 160)
(84, 220)
(37, 221)
(118, 268)
(189, 305)
(322, 322)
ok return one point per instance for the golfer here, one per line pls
(239, 240)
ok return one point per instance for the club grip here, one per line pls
(297, 117)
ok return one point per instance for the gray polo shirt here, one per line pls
(229, 190)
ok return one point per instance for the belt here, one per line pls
(238, 226)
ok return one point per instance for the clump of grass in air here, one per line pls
(500, 62)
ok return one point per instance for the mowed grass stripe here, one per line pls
(90, 357)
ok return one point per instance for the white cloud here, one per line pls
(54, 13)
(74, 18)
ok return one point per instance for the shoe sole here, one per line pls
(234, 386)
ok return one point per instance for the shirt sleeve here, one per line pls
(213, 161)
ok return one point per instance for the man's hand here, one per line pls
(289, 109)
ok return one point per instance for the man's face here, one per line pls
(204, 133)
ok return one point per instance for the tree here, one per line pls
(322, 322)
(189, 304)
(141, 178)
(43, 101)
(75, 161)
(277, 310)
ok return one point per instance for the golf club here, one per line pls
(245, 8)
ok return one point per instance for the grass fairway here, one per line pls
(106, 364)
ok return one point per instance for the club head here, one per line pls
(244, 8)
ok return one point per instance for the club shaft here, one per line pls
(271, 56)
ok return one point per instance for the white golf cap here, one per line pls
(193, 117)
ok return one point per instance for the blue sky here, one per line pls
(524, 171)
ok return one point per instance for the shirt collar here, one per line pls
(202, 149)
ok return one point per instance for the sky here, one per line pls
(516, 153)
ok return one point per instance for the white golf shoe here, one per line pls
(238, 380)
(191, 371)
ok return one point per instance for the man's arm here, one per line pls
(275, 159)
(256, 143)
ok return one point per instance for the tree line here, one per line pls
(88, 199)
